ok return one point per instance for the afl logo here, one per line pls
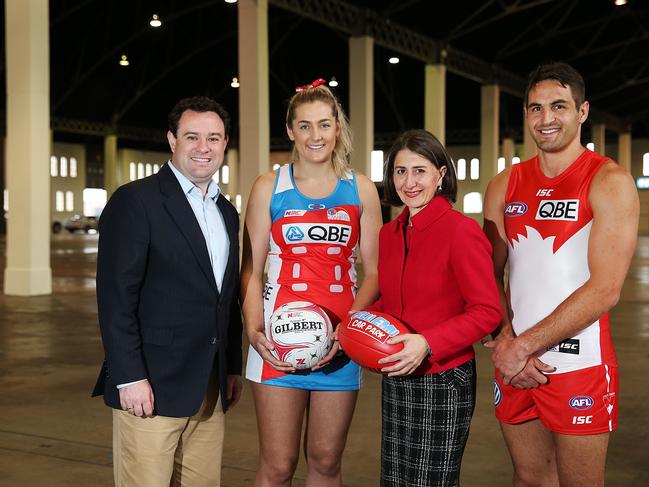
(515, 208)
(581, 403)
(293, 233)
(498, 395)
(316, 206)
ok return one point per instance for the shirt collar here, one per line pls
(429, 214)
(188, 187)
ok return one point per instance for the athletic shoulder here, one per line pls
(613, 185)
(494, 200)
(366, 188)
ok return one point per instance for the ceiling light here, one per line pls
(124, 61)
(619, 3)
(235, 82)
(333, 82)
(155, 21)
(230, 1)
(393, 60)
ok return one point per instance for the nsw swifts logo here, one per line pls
(515, 208)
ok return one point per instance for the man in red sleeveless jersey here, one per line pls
(566, 223)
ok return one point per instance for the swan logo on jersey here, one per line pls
(337, 214)
(515, 208)
(498, 395)
(317, 233)
(294, 234)
(563, 210)
(581, 403)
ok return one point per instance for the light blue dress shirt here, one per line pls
(210, 220)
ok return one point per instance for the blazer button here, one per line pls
(213, 341)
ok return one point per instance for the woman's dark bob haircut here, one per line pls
(426, 145)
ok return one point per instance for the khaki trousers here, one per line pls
(163, 451)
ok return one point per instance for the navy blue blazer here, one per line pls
(160, 312)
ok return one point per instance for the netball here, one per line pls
(364, 338)
(301, 333)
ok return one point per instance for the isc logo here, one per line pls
(581, 403)
(582, 420)
(544, 192)
(566, 210)
(515, 208)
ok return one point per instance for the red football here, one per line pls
(364, 335)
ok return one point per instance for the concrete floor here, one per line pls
(54, 434)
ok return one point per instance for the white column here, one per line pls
(361, 100)
(435, 100)
(529, 146)
(232, 158)
(598, 137)
(508, 151)
(254, 124)
(112, 171)
(624, 150)
(489, 134)
(28, 148)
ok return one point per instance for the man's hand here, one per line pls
(234, 388)
(137, 399)
(508, 355)
(415, 350)
(532, 375)
(264, 348)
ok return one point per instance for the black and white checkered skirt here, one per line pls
(426, 423)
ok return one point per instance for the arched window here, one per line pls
(156, 168)
(461, 169)
(475, 168)
(148, 169)
(59, 203)
(69, 201)
(73, 167)
(54, 166)
(472, 203)
(225, 174)
(275, 167)
(645, 164)
(501, 164)
(140, 170)
(376, 166)
(132, 171)
(515, 160)
(64, 167)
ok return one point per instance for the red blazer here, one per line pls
(444, 289)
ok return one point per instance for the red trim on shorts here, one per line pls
(582, 402)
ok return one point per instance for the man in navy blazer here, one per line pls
(167, 294)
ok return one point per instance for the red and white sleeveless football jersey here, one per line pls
(547, 223)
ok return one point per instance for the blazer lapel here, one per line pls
(178, 207)
(231, 227)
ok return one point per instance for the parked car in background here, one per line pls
(77, 223)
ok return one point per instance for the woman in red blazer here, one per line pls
(436, 276)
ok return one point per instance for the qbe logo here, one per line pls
(563, 210)
(319, 233)
(498, 395)
(581, 403)
(294, 234)
(515, 208)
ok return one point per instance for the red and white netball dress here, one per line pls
(313, 247)
(548, 223)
